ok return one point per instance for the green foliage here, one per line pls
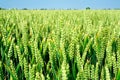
(118, 75)
(59, 45)
(87, 8)
(1, 71)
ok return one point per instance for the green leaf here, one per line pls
(118, 75)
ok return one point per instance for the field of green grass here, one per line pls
(59, 45)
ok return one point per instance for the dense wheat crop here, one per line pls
(59, 45)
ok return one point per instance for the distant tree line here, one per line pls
(2, 8)
(87, 8)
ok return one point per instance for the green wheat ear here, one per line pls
(86, 49)
(114, 63)
(96, 71)
(107, 73)
(11, 48)
(92, 72)
(109, 53)
(118, 54)
(71, 50)
(118, 59)
(65, 70)
(20, 56)
(26, 72)
(32, 71)
(13, 69)
(39, 76)
(103, 74)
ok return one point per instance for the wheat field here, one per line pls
(59, 45)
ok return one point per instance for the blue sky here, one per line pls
(78, 4)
